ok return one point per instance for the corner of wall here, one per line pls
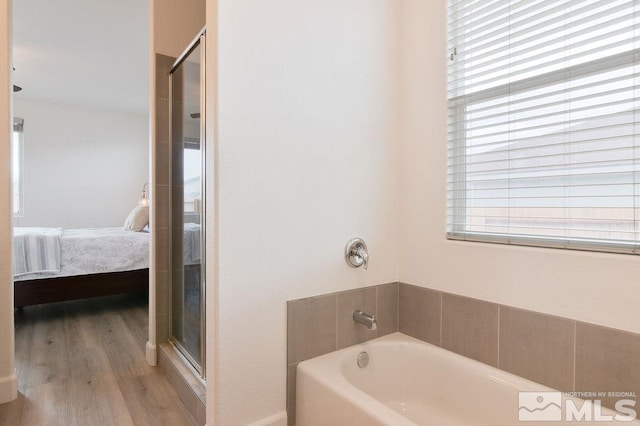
(152, 354)
(8, 383)
(8, 388)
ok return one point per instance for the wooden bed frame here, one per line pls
(59, 289)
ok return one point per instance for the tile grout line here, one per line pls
(337, 319)
(575, 350)
(441, 318)
(376, 312)
(498, 348)
(398, 306)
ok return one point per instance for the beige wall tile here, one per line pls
(163, 150)
(163, 292)
(470, 328)
(177, 131)
(607, 360)
(350, 332)
(163, 328)
(163, 66)
(177, 170)
(387, 308)
(161, 206)
(163, 134)
(162, 249)
(291, 394)
(420, 313)
(178, 83)
(538, 347)
(311, 327)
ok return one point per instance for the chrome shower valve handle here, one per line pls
(356, 253)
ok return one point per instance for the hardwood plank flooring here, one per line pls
(83, 363)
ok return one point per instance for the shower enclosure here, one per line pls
(188, 204)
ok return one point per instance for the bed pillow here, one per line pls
(137, 219)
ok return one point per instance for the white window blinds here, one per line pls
(544, 122)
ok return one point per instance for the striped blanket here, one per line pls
(36, 250)
(191, 244)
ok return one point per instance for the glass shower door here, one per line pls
(187, 206)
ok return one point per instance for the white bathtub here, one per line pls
(409, 382)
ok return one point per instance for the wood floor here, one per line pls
(83, 363)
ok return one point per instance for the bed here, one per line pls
(53, 265)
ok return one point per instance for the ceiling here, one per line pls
(83, 52)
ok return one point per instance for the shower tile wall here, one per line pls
(564, 354)
(161, 202)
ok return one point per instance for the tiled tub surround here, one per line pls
(318, 325)
(561, 353)
(409, 382)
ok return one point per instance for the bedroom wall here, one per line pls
(592, 287)
(305, 159)
(83, 167)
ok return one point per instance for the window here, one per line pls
(544, 123)
(192, 176)
(16, 166)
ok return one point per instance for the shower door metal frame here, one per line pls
(199, 40)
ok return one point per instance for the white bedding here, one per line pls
(99, 250)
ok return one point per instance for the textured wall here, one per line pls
(306, 159)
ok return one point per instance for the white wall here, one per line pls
(83, 167)
(599, 288)
(306, 159)
(174, 23)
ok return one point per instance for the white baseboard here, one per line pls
(8, 388)
(278, 419)
(152, 354)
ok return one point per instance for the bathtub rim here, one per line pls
(335, 380)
